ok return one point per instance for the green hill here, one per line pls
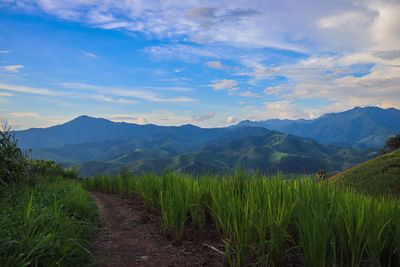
(245, 147)
(379, 176)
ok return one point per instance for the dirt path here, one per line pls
(132, 236)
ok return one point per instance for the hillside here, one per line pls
(366, 127)
(251, 148)
(377, 176)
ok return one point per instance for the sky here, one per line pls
(206, 63)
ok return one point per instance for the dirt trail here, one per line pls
(132, 236)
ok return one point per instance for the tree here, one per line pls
(392, 144)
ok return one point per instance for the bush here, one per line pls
(392, 144)
(49, 167)
(13, 164)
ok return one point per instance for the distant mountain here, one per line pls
(368, 127)
(85, 129)
(251, 148)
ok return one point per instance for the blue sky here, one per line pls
(207, 63)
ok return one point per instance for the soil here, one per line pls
(131, 235)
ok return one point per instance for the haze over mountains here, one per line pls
(97, 145)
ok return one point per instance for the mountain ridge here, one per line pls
(367, 127)
(268, 152)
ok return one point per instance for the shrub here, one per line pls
(13, 165)
(49, 167)
(392, 144)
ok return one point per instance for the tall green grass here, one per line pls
(268, 221)
(46, 223)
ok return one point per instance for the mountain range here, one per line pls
(366, 127)
(331, 142)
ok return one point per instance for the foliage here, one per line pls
(50, 168)
(265, 220)
(46, 223)
(392, 144)
(13, 165)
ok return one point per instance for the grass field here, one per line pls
(46, 222)
(268, 221)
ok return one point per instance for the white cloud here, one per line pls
(128, 118)
(113, 95)
(187, 53)
(159, 117)
(5, 94)
(98, 17)
(203, 117)
(30, 90)
(171, 88)
(346, 21)
(13, 68)
(277, 90)
(309, 25)
(4, 52)
(89, 54)
(217, 65)
(141, 121)
(245, 94)
(25, 115)
(276, 110)
(15, 125)
(149, 96)
(223, 84)
(232, 119)
(327, 84)
(386, 27)
(3, 97)
(114, 100)
(134, 92)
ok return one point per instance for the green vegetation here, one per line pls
(392, 144)
(244, 147)
(268, 221)
(379, 176)
(45, 218)
(46, 223)
(13, 165)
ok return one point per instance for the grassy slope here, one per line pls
(377, 176)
